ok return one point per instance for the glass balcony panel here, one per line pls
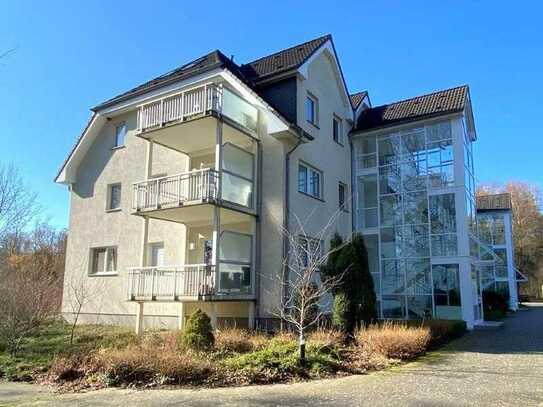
(237, 190)
(235, 247)
(237, 161)
(235, 278)
(238, 110)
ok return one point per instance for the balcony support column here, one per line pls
(251, 315)
(216, 242)
(149, 159)
(181, 323)
(144, 241)
(218, 157)
(145, 226)
(214, 315)
(139, 318)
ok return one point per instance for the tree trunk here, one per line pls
(302, 348)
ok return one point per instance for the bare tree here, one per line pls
(30, 286)
(79, 293)
(17, 202)
(306, 298)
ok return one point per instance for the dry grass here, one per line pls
(326, 339)
(240, 357)
(394, 340)
(235, 340)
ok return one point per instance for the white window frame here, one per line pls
(109, 194)
(151, 248)
(339, 121)
(343, 206)
(120, 141)
(305, 189)
(109, 250)
(315, 110)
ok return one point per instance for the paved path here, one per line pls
(499, 368)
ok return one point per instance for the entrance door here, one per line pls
(157, 254)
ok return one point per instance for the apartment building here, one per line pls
(180, 187)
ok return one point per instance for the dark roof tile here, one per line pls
(357, 98)
(494, 202)
(417, 108)
(285, 60)
(207, 62)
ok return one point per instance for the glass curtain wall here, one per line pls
(491, 228)
(402, 192)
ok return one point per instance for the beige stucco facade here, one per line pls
(91, 225)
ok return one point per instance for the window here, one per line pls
(114, 197)
(337, 130)
(342, 192)
(156, 254)
(366, 152)
(309, 181)
(103, 260)
(443, 225)
(367, 201)
(120, 135)
(311, 109)
(311, 251)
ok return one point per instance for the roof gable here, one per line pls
(357, 98)
(418, 108)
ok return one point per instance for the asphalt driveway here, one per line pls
(502, 367)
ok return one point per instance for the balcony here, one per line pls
(192, 282)
(198, 190)
(196, 103)
(173, 283)
(199, 186)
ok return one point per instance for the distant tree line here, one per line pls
(32, 255)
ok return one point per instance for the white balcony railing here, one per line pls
(176, 190)
(194, 102)
(171, 282)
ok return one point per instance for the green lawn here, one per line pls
(45, 344)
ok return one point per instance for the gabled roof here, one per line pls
(496, 202)
(282, 61)
(421, 107)
(215, 59)
(357, 98)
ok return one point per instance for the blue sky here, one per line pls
(71, 55)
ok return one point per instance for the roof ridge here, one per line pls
(327, 36)
(421, 96)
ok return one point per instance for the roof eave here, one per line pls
(406, 122)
